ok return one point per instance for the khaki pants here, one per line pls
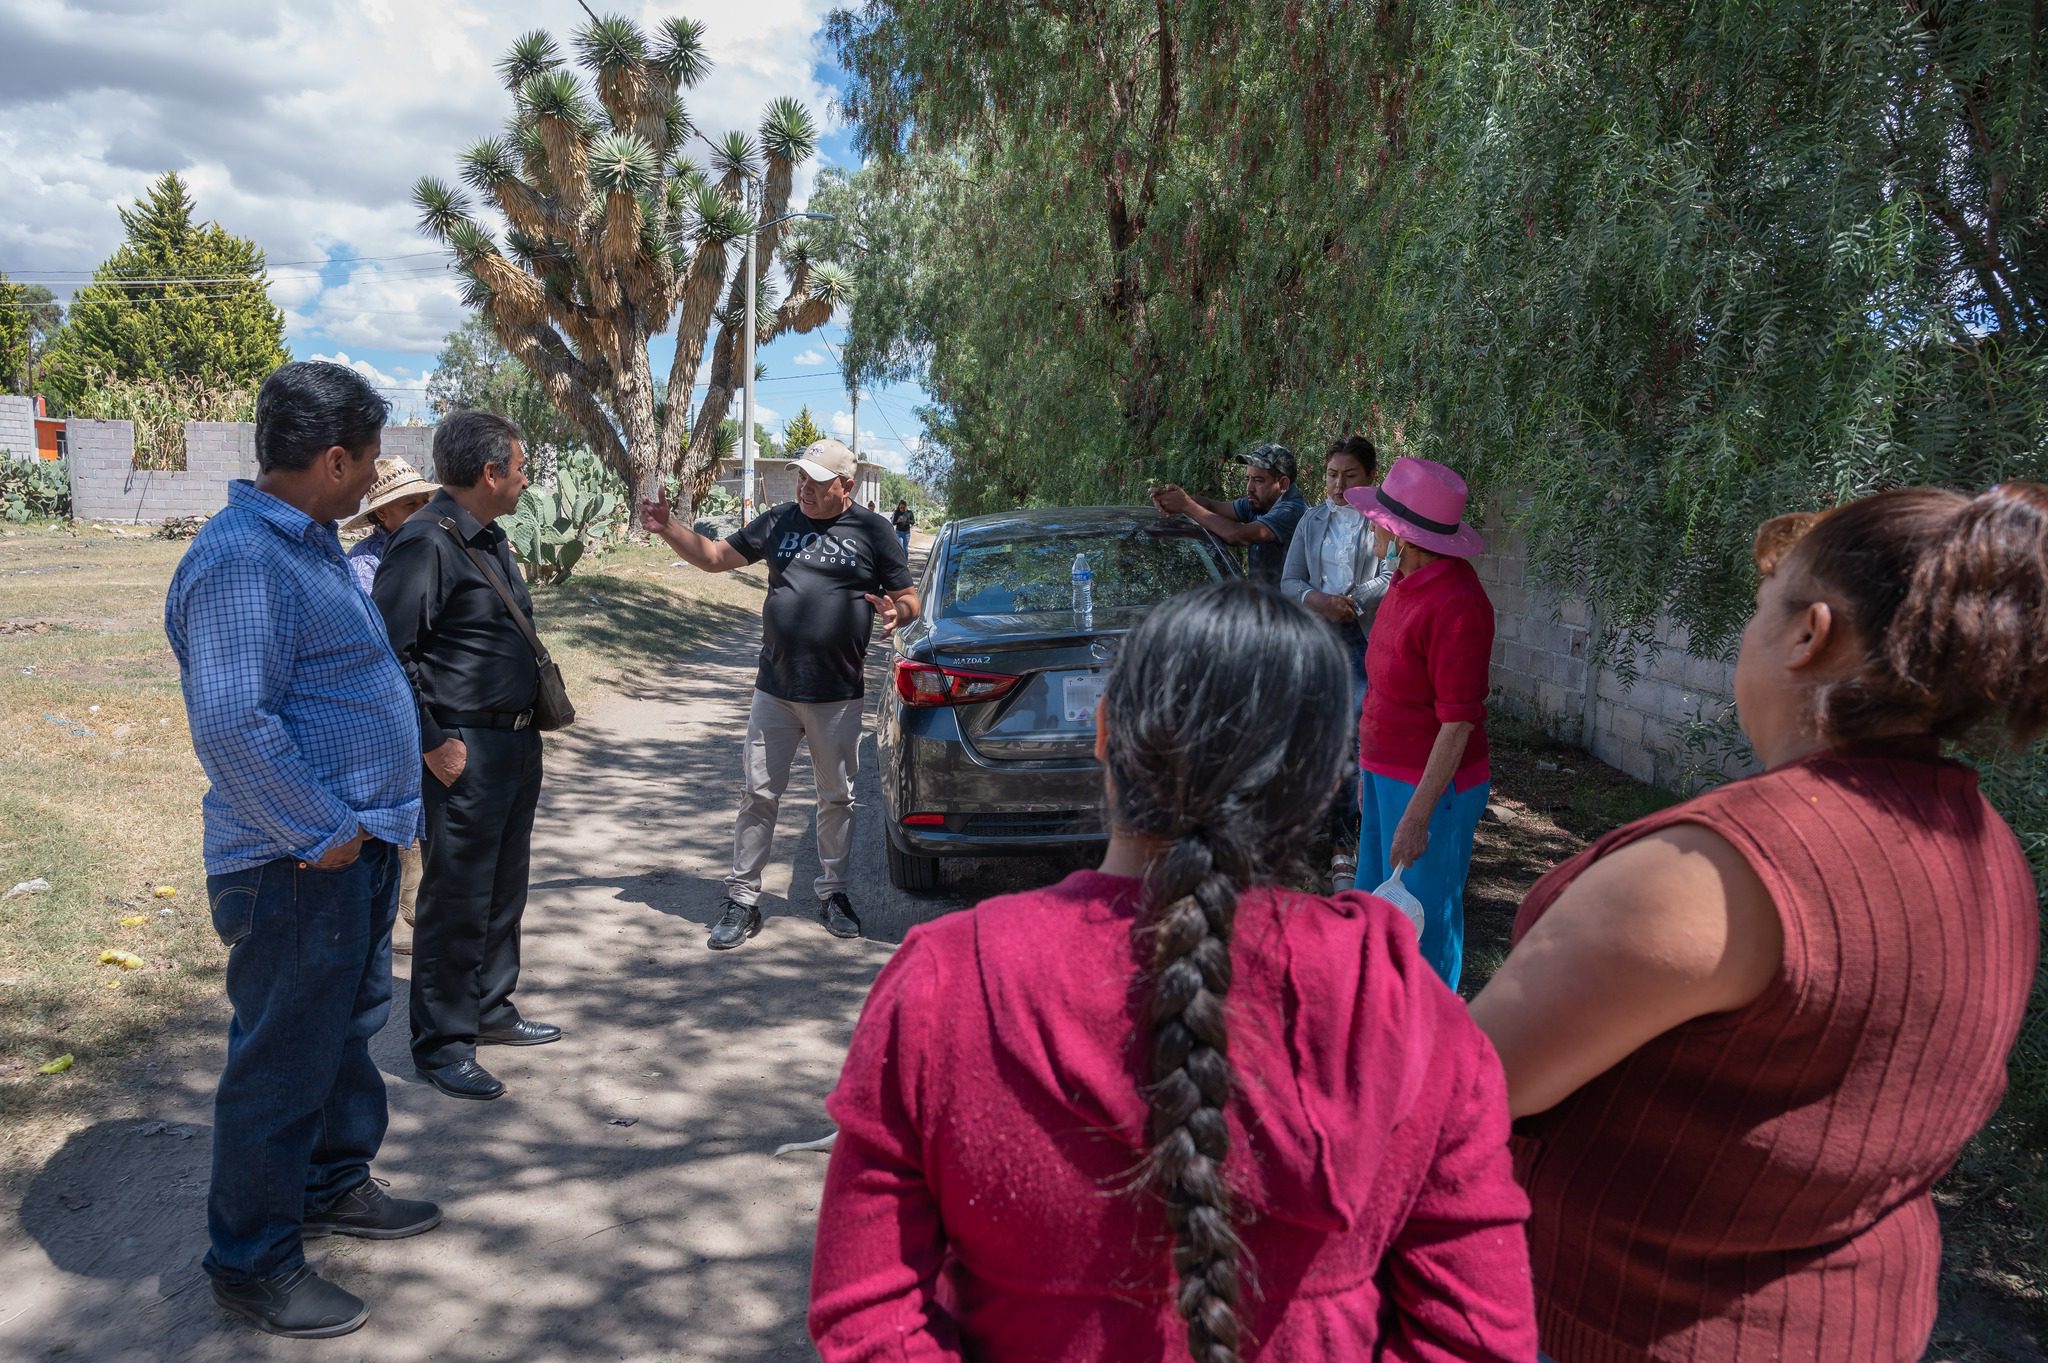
(408, 894)
(774, 728)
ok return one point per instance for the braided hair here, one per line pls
(1226, 721)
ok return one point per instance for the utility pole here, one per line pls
(855, 390)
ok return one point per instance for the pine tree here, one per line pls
(212, 322)
(801, 431)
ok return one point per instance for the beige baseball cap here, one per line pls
(396, 480)
(827, 459)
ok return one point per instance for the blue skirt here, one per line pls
(1438, 879)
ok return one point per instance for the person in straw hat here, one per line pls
(1422, 734)
(397, 492)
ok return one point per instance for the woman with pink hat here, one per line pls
(1422, 735)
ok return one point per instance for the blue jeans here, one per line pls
(1344, 816)
(1438, 879)
(903, 538)
(300, 1109)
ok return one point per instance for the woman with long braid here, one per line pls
(1169, 1109)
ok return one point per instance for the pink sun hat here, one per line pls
(1424, 504)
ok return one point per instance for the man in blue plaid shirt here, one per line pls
(309, 734)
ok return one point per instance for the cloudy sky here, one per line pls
(302, 124)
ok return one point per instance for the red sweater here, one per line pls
(1754, 1185)
(978, 1204)
(1426, 665)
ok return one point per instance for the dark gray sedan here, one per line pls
(987, 736)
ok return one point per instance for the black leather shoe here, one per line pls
(735, 925)
(838, 917)
(463, 1079)
(524, 1032)
(298, 1305)
(368, 1212)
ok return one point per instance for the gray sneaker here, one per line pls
(735, 925)
(837, 914)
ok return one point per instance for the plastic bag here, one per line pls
(1396, 893)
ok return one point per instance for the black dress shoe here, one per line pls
(838, 917)
(463, 1079)
(369, 1213)
(298, 1305)
(521, 1033)
(735, 925)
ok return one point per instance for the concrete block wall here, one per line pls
(17, 426)
(106, 485)
(1544, 671)
(413, 444)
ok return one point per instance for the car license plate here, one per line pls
(1080, 693)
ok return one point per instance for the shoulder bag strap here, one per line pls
(491, 575)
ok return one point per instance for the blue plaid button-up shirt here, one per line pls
(300, 713)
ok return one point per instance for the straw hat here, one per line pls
(396, 480)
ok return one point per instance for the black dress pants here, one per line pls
(479, 845)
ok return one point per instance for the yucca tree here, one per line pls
(613, 230)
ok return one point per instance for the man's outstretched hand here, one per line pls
(886, 608)
(654, 515)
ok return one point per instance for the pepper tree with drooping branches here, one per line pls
(614, 230)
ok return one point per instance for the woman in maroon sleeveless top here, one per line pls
(1745, 1036)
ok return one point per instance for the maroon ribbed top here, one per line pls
(1754, 1185)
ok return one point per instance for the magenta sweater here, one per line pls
(979, 1203)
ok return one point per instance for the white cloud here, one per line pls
(303, 126)
(405, 390)
(883, 449)
(809, 357)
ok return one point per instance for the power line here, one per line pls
(274, 264)
(907, 446)
(81, 284)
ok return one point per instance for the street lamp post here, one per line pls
(747, 394)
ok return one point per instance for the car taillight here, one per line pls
(925, 684)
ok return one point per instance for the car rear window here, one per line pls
(1137, 567)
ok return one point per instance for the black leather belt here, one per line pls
(485, 719)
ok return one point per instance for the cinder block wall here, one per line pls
(413, 444)
(1543, 671)
(106, 485)
(17, 426)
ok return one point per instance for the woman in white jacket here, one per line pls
(1332, 572)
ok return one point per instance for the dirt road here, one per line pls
(621, 1201)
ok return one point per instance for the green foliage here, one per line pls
(217, 328)
(2017, 785)
(160, 407)
(1645, 274)
(474, 371)
(33, 489)
(15, 333)
(802, 430)
(929, 510)
(553, 527)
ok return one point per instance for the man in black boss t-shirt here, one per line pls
(833, 567)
